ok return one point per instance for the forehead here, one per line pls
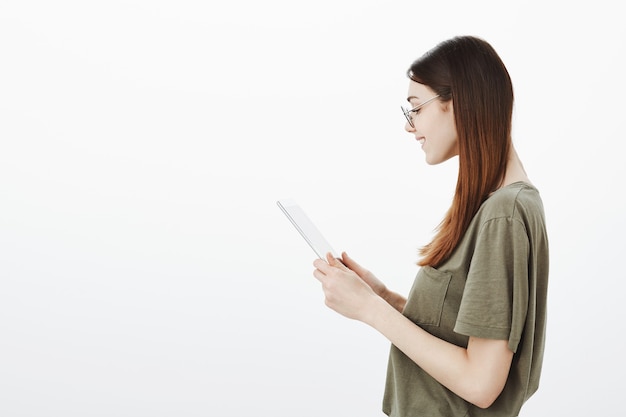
(419, 92)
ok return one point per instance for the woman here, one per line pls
(468, 340)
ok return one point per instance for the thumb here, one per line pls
(332, 261)
(351, 263)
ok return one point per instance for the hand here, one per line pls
(345, 291)
(397, 301)
(371, 280)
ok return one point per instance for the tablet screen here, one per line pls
(307, 229)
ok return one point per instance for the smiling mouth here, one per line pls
(421, 141)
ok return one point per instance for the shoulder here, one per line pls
(517, 200)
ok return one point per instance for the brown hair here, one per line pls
(468, 71)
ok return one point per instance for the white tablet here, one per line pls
(307, 229)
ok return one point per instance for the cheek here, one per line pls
(448, 130)
(430, 126)
(453, 136)
(452, 141)
(447, 138)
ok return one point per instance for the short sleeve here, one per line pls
(495, 298)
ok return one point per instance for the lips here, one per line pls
(421, 140)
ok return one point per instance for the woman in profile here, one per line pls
(468, 340)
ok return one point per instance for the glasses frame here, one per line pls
(407, 112)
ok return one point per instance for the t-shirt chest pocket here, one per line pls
(425, 303)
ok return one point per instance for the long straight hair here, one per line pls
(468, 71)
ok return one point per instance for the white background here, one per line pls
(145, 269)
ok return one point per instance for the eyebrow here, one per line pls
(409, 98)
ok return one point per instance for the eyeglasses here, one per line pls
(407, 112)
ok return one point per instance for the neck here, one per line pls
(515, 171)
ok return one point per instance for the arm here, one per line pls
(476, 373)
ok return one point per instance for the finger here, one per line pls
(334, 262)
(321, 265)
(319, 275)
(316, 263)
(351, 263)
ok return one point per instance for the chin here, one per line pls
(437, 160)
(432, 161)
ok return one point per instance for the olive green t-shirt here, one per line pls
(494, 286)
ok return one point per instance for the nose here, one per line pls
(408, 127)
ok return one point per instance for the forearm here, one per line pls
(394, 299)
(449, 364)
